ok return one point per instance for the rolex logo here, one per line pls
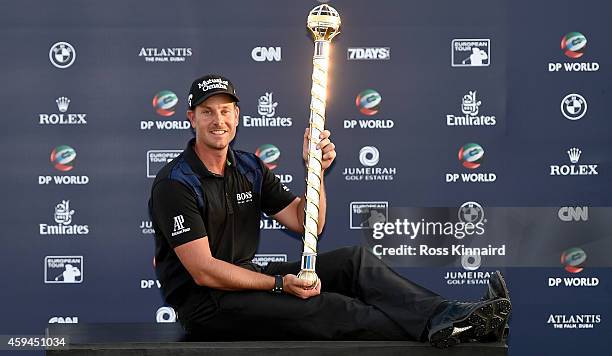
(62, 103)
(62, 118)
(574, 169)
(574, 154)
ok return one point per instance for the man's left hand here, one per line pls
(327, 148)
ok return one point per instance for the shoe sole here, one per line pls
(502, 331)
(482, 321)
(503, 284)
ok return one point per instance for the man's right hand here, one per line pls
(299, 287)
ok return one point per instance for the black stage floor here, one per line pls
(168, 339)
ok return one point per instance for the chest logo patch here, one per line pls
(179, 226)
(246, 197)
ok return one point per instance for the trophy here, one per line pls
(323, 23)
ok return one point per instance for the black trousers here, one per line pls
(361, 299)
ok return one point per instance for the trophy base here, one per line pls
(309, 276)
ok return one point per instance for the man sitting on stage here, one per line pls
(206, 206)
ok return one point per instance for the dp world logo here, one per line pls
(471, 155)
(368, 102)
(269, 154)
(165, 102)
(573, 258)
(63, 157)
(573, 44)
(573, 106)
(62, 55)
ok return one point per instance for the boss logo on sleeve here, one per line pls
(179, 227)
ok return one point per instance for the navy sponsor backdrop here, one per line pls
(471, 136)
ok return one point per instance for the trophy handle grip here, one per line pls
(314, 171)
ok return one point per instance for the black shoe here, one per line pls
(465, 322)
(497, 289)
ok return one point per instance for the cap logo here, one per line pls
(215, 83)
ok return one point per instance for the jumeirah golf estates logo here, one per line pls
(269, 154)
(573, 44)
(471, 155)
(165, 102)
(369, 156)
(368, 102)
(62, 158)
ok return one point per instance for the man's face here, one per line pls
(215, 121)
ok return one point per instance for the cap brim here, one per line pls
(202, 99)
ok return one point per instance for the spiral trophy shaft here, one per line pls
(324, 23)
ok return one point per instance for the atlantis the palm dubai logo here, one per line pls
(165, 54)
(574, 321)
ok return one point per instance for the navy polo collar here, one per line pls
(198, 166)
